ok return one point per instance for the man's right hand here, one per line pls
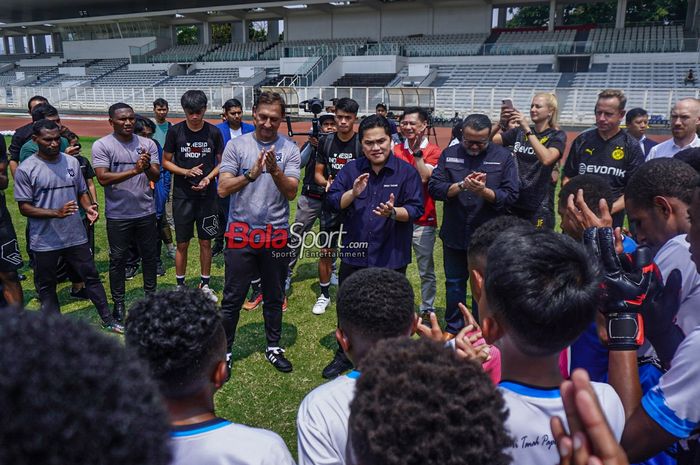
(313, 141)
(360, 184)
(67, 210)
(194, 172)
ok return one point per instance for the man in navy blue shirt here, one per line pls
(478, 181)
(380, 197)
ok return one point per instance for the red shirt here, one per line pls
(431, 155)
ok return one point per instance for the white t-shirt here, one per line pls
(675, 254)
(674, 403)
(322, 422)
(530, 410)
(220, 442)
(669, 148)
(235, 132)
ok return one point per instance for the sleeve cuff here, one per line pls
(655, 406)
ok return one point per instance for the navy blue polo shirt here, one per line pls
(388, 242)
(466, 211)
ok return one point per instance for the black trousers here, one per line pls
(121, 235)
(244, 265)
(79, 258)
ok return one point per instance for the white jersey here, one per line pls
(528, 421)
(675, 254)
(674, 403)
(322, 422)
(220, 442)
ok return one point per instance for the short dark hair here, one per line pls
(421, 112)
(477, 122)
(635, 113)
(42, 124)
(594, 188)
(371, 122)
(34, 98)
(141, 123)
(414, 398)
(484, 236)
(544, 286)
(181, 337)
(690, 156)
(347, 105)
(118, 106)
(271, 98)
(194, 101)
(160, 102)
(70, 135)
(662, 176)
(43, 111)
(72, 395)
(376, 303)
(380, 105)
(232, 103)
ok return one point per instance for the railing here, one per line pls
(575, 103)
(137, 53)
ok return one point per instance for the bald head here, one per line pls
(685, 119)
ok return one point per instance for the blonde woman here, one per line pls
(537, 144)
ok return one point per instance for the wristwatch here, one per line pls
(460, 184)
(393, 214)
(528, 134)
(249, 177)
(418, 154)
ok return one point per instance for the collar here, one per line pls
(530, 391)
(391, 164)
(198, 428)
(644, 137)
(354, 374)
(423, 144)
(693, 143)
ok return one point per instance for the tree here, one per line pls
(187, 35)
(638, 11)
(221, 33)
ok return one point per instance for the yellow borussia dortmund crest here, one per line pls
(618, 154)
(544, 140)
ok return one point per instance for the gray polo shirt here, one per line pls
(51, 185)
(132, 198)
(259, 203)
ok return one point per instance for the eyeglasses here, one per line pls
(480, 143)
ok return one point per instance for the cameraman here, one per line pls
(311, 198)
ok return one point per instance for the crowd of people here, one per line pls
(577, 346)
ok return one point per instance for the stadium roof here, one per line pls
(41, 14)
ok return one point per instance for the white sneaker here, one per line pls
(321, 304)
(334, 279)
(209, 293)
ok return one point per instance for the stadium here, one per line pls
(451, 57)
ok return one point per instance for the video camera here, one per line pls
(313, 105)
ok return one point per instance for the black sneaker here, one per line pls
(119, 311)
(130, 272)
(338, 365)
(115, 328)
(160, 270)
(278, 360)
(79, 294)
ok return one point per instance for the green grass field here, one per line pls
(257, 394)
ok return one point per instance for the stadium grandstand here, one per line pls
(85, 55)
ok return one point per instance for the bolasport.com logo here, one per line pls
(284, 242)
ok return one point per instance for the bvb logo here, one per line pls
(618, 154)
(544, 140)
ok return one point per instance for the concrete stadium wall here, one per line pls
(392, 20)
(645, 57)
(108, 48)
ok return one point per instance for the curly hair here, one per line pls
(71, 395)
(544, 285)
(416, 403)
(376, 303)
(594, 188)
(666, 177)
(180, 335)
(484, 235)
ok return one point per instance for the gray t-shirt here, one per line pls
(132, 198)
(50, 186)
(260, 203)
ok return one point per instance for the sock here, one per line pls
(204, 280)
(255, 284)
(326, 290)
(180, 280)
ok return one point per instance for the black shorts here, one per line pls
(203, 212)
(331, 222)
(10, 258)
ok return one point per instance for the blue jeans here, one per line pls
(456, 275)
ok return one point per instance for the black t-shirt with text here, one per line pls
(615, 159)
(535, 178)
(191, 149)
(336, 154)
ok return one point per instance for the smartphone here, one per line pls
(507, 103)
(425, 318)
